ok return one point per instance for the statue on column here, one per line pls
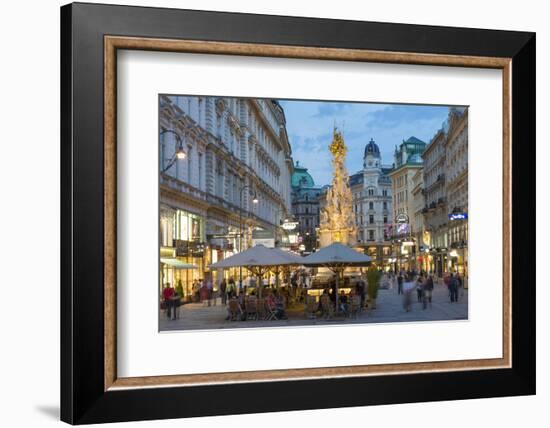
(337, 218)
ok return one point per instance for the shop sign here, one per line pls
(188, 249)
(266, 242)
(403, 228)
(289, 225)
(402, 218)
(458, 216)
(388, 231)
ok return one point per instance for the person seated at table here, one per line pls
(232, 304)
(280, 306)
(320, 306)
(343, 302)
(274, 304)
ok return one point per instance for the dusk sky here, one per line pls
(310, 125)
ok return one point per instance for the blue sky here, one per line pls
(310, 124)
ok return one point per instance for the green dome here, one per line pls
(300, 177)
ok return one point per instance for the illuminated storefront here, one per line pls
(458, 238)
(182, 237)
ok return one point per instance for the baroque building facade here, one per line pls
(407, 163)
(435, 195)
(233, 181)
(372, 205)
(418, 219)
(456, 164)
(305, 208)
(446, 196)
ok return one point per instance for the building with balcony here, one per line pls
(456, 165)
(418, 219)
(372, 204)
(435, 193)
(236, 153)
(407, 163)
(305, 207)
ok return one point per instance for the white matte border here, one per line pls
(143, 351)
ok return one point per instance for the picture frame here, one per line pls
(91, 392)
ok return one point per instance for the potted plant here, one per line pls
(373, 277)
(179, 290)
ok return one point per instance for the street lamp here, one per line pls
(254, 201)
(180, 153)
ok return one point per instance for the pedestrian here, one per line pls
(453, 288)
(360, 291)
(428, 290)
(210, 292)
(223, 291)
(400, 283)
(230, 288)
(419, 285)
(460, 285)
(407, 291)
(203, 291)
(168, 294)
(196, 291)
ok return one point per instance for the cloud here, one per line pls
(310, 124)
(331, 109)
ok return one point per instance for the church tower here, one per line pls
(372, 167)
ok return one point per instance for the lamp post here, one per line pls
(179, 154)
(254, 201)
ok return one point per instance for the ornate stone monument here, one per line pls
(337, 218)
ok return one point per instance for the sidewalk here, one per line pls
(196, 316)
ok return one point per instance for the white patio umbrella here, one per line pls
(336, 257)
(258, 260)
(294, 260)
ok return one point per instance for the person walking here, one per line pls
(419, 288)
(223, 291)
(427, 291)
(453, 288)
(210, 288)
(360, 291)
(400, 283)
(460, 287)
(168, 294)
(203, 292)
(196, 291)
(407, 290)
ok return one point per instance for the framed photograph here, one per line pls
(291, 213)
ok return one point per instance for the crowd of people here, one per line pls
(272, 305)
(409, 284)
(423, 282)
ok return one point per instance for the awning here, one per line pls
(177, 264)
(258, 256)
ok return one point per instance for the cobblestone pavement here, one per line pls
(196, 316)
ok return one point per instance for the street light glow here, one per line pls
(180, 153)
(255, 199)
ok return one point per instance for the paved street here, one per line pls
(196, 316)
